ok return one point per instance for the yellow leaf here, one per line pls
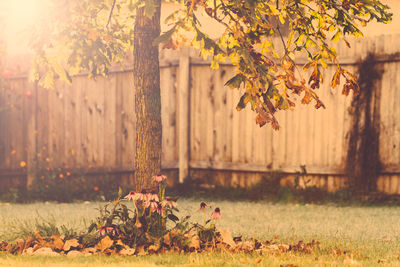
(70, 243)
(104, 244)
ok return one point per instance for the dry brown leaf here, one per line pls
(247, 246)
(37, 235)
(154, 248)
(58, 243)
(120, 243)
(141, 251)
(74, 253)
(226, 237)
(283, 247)
(29, 241)
(28, 251)
(257, 261)
(104, 244)
(19, 247)
(45, 252)
(70, 243)
(167, 239)
(127, 252)
(88, 251)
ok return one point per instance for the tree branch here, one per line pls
(111, 11)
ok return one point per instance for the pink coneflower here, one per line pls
(152, 204)
(152, 197)
(216, 214)
(158, 209)
(159, 178)
(169, 202)
(107, 230)
(203, 206)
(135, 196)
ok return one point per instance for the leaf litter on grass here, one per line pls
(113, 245)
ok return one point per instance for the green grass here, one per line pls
(367, 234)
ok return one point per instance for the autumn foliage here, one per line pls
(121, 230)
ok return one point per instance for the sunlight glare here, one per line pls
(17, 19)
(20, 15)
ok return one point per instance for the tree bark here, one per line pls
(146, 74)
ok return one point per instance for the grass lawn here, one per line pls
(368, 235)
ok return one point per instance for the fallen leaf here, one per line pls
(247, 246)
(104, 244)
(74, 253)
(70, 243)
(127, 252)
(194, 242)
(20, 245)
(120, 243)
(167, 239)
(153, 248)
(226, 237)
(88, 251)
(45, 252)
(58, 244)
(37, 235)
(141, 251)
(28, 251)
(257, 261)
(29, 241)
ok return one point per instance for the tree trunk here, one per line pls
(146, 74)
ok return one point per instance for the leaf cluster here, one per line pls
(264, 57)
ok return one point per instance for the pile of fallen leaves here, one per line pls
(141, 229)
(81, 246)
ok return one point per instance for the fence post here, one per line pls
(183, 112)
(31, 135)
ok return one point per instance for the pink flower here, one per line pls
(168, 202)
(159, 178)
(216, 214)
(152, 204)
(158, 209)
(135, 196)
(152, 197)
(107, 230)
(203, 206)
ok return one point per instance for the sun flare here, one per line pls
(19, 15)
(17, 18)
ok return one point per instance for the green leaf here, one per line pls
(164, 38)
(236, 81)
(120, 192)
(242, 102)
(92, 227)
(173, 218)
(283, 104)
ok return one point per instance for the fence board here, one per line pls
(92, 124)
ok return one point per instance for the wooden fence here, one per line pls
(90, 126)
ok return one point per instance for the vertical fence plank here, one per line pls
(183, 113)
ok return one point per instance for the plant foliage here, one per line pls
(92, 34)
